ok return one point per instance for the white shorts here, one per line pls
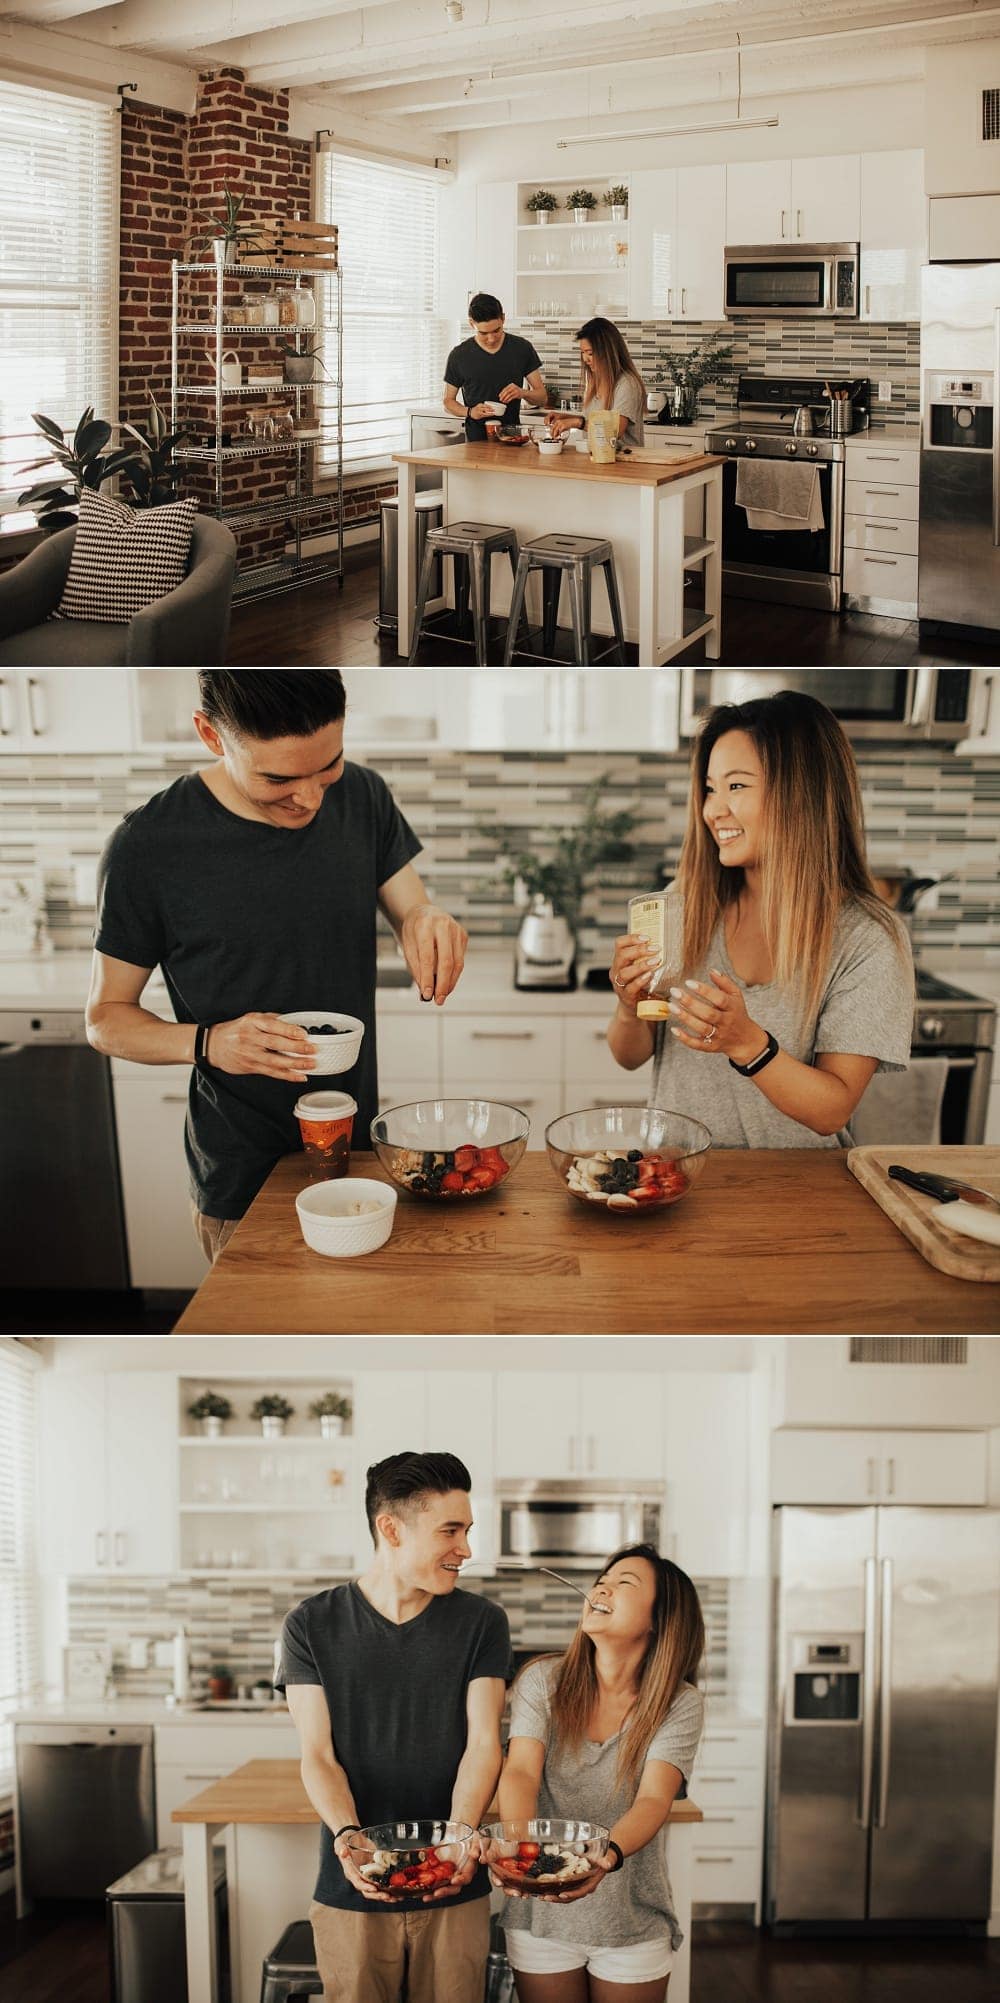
(644, 1961)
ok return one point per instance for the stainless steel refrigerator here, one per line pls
(959, 534)
(881, 1755)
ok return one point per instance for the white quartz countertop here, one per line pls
(146, 1711)
(905, 435)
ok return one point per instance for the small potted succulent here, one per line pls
(542, 204)
(220, 1682)
(583, 202)
(272, 1410)
(299, 363)
(211, 1412)
(616, 200)
(332, 1411)
(227, 234)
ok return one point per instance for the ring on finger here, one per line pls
(709, 1033)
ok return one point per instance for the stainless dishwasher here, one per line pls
(61, 1217)
(86, 1807)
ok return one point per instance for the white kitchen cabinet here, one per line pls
(570, 709)
(758, 201)
(893, 233)
(496, 240)
(390, 1417)
(728, 1785)
(677, 219)
(810, 200)
(163, 703)
(591, 1423)
(417, 710)
(815, 1466)
(65, 710)
(409, 1047)
(707, 1467)
(108, 1472)
(189, 1757)
(150, 1111)
(540, 1099)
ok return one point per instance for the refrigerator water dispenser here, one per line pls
(824, 1679)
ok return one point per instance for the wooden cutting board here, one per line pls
(913, 1213)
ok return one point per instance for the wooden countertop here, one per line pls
(272, 1791)
(780, 1241)
(571, 465)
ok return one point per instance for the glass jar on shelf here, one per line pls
(287, 313)
(305, 306)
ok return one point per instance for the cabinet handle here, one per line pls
(784, 213)
(889, 492)
(713, 1857)
(798, 222)
(890, 560)
(720, 1738)
(591, 1452)
(6, 708)
(36, 707)
(572, 1453)
(719, 1818)
(670, 300)
(891, 1477)
(173, 1098)
(891, 528)
(503, 1036)
(101, 1547)
(120, 1547)
(884, 458)
(868, 301)
(684, 295)
(871, 1477)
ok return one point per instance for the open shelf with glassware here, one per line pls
(251, 411)
(573, 264)
(267, 1495)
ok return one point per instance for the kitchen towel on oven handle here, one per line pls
(779, 496)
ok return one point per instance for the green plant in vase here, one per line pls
(151, 473)
(83, 458)
(542, 204)
(333, 1411)
(686, 373)
(561, 877)
(583, 202)
(272, 1410)
(228, 235)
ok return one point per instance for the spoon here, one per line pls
(547, 1569)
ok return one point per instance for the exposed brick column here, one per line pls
(153, 230)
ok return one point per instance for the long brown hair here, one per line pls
(611, 360)
(676, 1647)
(812, 860)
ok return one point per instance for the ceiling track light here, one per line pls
(454, 10)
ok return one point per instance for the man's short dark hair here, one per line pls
(483, 306)
(262, 704)
(400, 1482)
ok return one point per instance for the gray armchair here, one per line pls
(189, 627)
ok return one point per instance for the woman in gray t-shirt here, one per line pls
(608, 1733)
(609, 380)
(799, 980)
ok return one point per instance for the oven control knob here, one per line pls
(933, 1027)
(791, 450)
(730, 444)
(751, 444)
(812, 451)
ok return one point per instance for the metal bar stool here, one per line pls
(289, 1970)
(477, 543)
(575, 558)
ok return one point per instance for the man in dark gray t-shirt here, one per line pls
(396, 1685)
(254, 885)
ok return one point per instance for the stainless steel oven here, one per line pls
(907, 703)
(575, 1524)
(772, 281)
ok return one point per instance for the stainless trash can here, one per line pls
(499, 1987)
(429, 508)
(146, 1945)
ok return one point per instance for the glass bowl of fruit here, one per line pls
(627, 1159)
(450, 1148)
(410, 1860)
(545, 1856)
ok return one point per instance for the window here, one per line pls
(58, 269)
(395, 343)
(20, 1655)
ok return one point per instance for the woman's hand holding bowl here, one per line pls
(713, 1020)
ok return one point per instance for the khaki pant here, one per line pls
(434, 1956)
(212, 1233)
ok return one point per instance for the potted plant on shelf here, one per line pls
(83, 458)
(211, 1412)
(616, 200)
(560, 879)
(583, 202)
(541, 204)
(298, 364)
(272, 1410)
(228, 235)
(220, 1682)
(332, 1411)
(685, 375)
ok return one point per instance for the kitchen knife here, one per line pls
(945, 1187)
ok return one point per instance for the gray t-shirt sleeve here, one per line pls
(297, 1663)
(867, 1010)
(678, 1737)
(530, 1708)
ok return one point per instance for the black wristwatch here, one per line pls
(200, 1039)
(757, 1063)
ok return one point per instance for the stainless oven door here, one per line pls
(798, 567)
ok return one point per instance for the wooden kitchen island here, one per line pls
(780, 1241)
(272, 1849)
(638, 503)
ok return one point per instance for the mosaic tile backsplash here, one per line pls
(237, 1624)
(882, 350)
(924, 807)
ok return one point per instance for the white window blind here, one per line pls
(58, 268)
(20, 1656)
(395, 342)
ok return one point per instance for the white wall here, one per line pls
(817, 1386)
(193, 1356)
(958, 161)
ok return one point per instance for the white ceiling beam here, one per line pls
(186, 25)
(44, 13)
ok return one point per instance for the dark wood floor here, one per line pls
(319, 626)
(61, 1957)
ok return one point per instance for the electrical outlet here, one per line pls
(138, 1653)
(885, 392)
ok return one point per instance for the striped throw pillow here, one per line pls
(125, 558)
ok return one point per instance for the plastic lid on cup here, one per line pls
(325, 1106)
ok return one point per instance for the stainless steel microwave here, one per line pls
(575, 1525)
(916, 703)
(776, 281)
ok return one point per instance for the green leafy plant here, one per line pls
(581, 198)
(563, 875)
(152, 475)
(210, 1405)
(83, 458)
(331, 1406)
(617, 196)
(710, 362)
(272, 1406)
(542, 199)
(229, 226)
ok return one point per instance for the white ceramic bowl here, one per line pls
(333, 1053)
(496, 409)
(326, 1226)
(550, 447)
